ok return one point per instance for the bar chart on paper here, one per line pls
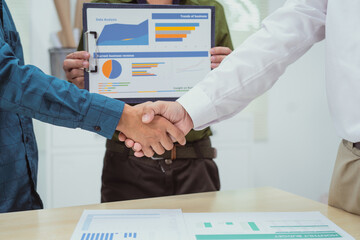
(130, 225)
(173, 32)
(236, 226)
(148, 52)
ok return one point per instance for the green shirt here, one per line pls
(222, 38)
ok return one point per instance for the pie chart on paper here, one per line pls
(112, 69)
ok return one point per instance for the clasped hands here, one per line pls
(153, 127)
(143, 129)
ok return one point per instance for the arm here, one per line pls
(256, 65)
(27, 91)
(252, 68)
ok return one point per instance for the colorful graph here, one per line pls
(112, 69)
(112, 87)
(124, 34)
(173, 32)
(141, 69)
(99, 236)
(130, 235)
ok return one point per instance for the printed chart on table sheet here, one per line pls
(262, 225)
(135, 224)
(149, 52)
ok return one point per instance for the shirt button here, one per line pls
(168, 161)
(97, 128)
(26, 139)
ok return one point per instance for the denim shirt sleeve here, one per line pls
(26, 90)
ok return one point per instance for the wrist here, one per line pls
(128, 114)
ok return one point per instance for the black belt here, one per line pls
(197, 149)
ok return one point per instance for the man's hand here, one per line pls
(218, 54)
(74, 65)
(153, 136)
(172, 111)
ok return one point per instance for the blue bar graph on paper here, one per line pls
(169, 40)
(99, 236)
(130, 235)
(177, 24)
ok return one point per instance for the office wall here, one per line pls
(299, 151)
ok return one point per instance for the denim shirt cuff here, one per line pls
(103, 115)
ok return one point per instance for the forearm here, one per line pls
(256, 65)
(28, 91)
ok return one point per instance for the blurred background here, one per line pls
(284, 139)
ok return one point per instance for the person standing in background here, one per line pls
(191, 169)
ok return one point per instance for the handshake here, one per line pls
(147, 128)
(150, 128)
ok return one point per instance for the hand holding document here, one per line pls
(162, 224)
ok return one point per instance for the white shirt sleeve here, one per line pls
(255, 66)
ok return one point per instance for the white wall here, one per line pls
(300, 150)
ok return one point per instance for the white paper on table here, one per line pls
(262, 225)
(139, 224)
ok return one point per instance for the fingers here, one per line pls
(218, 54)
(167, 143)
(129, 143)
(139, 154)
(79, 55)
(177, 134)
(71, 63)
(220, 51)
(74, 65)
(122, 137)
(79, 82)
(137, 147)
(158, 148)
(150, 110)
(217, 58)
(214, 65)
(148, 151)
(75, 73)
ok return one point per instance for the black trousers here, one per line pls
(126, 177)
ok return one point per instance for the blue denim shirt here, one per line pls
(26, 93)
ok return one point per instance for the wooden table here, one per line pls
(60, 223)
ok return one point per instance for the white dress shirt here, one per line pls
(284, 37)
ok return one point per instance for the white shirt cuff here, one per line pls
(199, 107)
